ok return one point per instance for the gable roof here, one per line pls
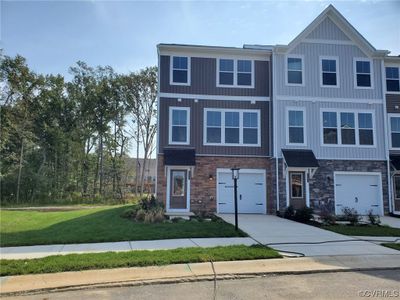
(340, 21)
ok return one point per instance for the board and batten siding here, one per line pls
(204, 79)
(393, 100)
(313, 129)
(197, 122)
(327, 30)
(312, 88)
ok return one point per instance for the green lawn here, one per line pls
(364, 230)
(19, 228)
(392, 245)
(78, 262)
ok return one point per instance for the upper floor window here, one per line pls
(235, 73)
(294, 70)
(329, 72)
(179, 128)
(395, 131)
(295, 126)
(180, 70)
(354, 128)
(363, 73)
(232, 127)
(392, 79)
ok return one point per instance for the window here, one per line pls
(296, 127)
(178, 186)
(226, 71)
(356, 128)
(232, 127)
(296, 182)
(329, 74)
(180, 71)
(179, 125)
(295, 70)
(244, 72)
(396, 180)
(363, 73)
(330, 132)
(395, 131)
(235, 73)
(392, 79)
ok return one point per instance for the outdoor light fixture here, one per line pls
(211, 177)
(235, 177)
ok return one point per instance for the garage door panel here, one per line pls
(361, 192)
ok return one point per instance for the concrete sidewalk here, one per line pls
(28, 252)
(30, 284)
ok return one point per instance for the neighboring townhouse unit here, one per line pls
(392, 89)
(214, 114)
(307, 124)
(329, 119)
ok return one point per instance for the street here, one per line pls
(342, 285)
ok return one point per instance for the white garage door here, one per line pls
(251, 192)
(359, 191)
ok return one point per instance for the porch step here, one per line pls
(183, 215)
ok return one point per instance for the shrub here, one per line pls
(140, 215)
(129, 213)
(304, 214)
(327, 218)
(373, 219)
(178, 220)
(351, 215)
(289, 213)
(150, 203)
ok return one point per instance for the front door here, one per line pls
(178, 189)
(396, 192)
(297, 190)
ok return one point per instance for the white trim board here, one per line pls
(328, 99)
(214, 97)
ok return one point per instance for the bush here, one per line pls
(289, 213)
(304, 214)
(178, 220)
(129, 213)
(140, 215)
(373, 219)
(150, 203)
(327, 218)
(351, 215)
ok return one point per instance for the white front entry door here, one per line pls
(361, 191)
(251, 192)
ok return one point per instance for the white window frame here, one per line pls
(240, 111)
(371, 74)
(391, 66)
(296, 108)
(235, 73)
(339, 129)
(336, 58)
(171, 109)
(287, 70)
(291, 173)
(390, 116)
(171, 71)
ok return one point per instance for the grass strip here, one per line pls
(364, 230)
(395, 246)
(140, 258)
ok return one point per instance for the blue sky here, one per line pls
(123, 34)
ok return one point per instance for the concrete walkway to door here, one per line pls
(286, 235)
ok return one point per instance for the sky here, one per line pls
(53, 35)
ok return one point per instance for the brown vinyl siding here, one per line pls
(204, 79)
(392, 100)
(197, 120)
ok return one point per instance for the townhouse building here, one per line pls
(310, 123)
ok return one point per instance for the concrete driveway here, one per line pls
(285, 235)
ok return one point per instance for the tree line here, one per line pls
(68, 141)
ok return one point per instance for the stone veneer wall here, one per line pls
(322, 189)
(203, 190)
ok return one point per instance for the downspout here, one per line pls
(158, 118)
(386, 135)
(274, 136)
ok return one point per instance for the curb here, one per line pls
(187, 279)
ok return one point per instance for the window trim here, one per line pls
(171, 71)
(171, 109)
(240, 111)
(235, 73)
(392, 115)
(287, 70)
(391, 66)
(336, 58)
(356, 128)
(302, 184)
(296, 108)
(371, 74)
